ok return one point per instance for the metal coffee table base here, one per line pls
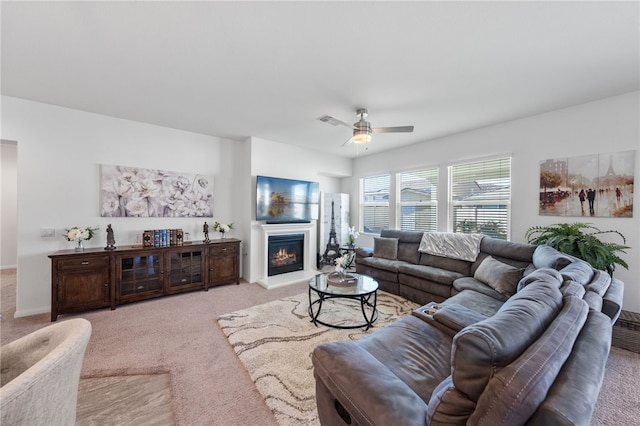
(365, 304)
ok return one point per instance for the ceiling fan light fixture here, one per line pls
(361, 137)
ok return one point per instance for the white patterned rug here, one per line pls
(274, 341)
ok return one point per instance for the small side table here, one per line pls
(346, 250)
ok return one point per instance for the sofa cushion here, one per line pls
(386, 248)
(516, 263)
(461, 266)
(543, 273)
(381, 263)
(572, 288)
(579, 271)
(413, 237)
(430, 273)
(479, 302)
(507, 249)
(408, 252)
(515, 392)
(482, 349)
(501, 277)
(470, 283)
(408, 242)
(414, 351)
(546, 256)
(428, 288)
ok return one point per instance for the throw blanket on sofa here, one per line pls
(449, 244)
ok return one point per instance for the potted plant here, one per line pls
(570, 238)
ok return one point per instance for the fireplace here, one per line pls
(260, 266)
(285, 253)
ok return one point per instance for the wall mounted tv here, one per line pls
(286, 200)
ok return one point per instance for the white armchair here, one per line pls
(40, 374)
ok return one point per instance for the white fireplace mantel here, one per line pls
(309, 270)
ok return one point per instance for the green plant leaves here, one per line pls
(571, 239)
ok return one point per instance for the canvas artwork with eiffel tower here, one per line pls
(589, 185)
(334, 218)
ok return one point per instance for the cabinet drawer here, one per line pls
(224, 250)
(89, 262)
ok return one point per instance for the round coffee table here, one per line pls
(361, 287)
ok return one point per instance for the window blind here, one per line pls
(417, 206)
(480, 197)
(375, 203)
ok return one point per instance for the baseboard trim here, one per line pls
(29, 312)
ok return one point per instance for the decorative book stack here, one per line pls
(162, 237)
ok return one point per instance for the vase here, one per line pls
(223, 235)
(79, 247)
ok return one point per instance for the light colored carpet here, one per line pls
(274, 341)
(619, 400)
(140, 400)
(209, 383)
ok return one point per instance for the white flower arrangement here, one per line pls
(343, 262)
(353, 235)
(222, 227)
(79, 234)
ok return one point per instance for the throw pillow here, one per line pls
(499, 276)
(386, 248)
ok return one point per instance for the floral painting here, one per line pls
(138, 192)
(589, 185)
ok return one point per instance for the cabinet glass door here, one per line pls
(185, 268)
(140, 274)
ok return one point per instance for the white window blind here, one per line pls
(375, 203)
(480, 197)
(418, 194)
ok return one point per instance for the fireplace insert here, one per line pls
(285, 253)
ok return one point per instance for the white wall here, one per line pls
(60, 151)
(8, 204)
(608, 125)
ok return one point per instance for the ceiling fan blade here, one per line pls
(334, 121)
(348, 142)
(399, 129)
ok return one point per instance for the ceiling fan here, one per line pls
(362, 129)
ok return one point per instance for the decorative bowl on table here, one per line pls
(342, 279)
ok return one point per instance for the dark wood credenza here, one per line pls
(97, 278)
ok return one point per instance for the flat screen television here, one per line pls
(281, 200)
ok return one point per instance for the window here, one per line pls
(418, 194)
(480, 197)
(375, 203)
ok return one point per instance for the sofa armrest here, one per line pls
(612, 299)
(448, 317)
(351, 383)
(364, 252)
(457, 317)
(574, 393)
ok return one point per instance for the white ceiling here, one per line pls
(271, 69)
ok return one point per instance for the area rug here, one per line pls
(274, 342)
(141, 400)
